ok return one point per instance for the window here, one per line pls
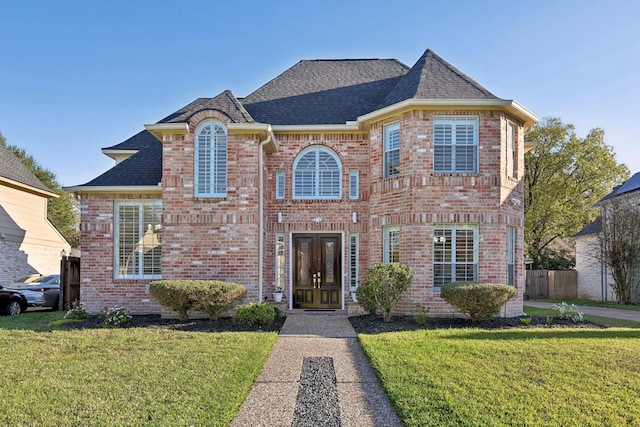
(391, 150)
(280, 261)
(280, 185)
(511, 256)
(455, 144)
(138, 239)
(512, 164)
(211, 159)
(354, 249)
(354, 185)
(455, 254)
(391, 245)
(317, 175)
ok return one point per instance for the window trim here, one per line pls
(511, 256)
(143, 228)
(389, 247)
(281, 261)
(386, 132)
(217, 146)
(511, 155)
(318, 149)
(354, 261)
(454, 228)
(280, 185)
(453, 120)
(354, 184)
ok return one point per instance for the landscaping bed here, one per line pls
(369, 324)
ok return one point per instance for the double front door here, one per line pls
(317, 271)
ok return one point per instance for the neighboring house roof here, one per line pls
(592, 228)
(630, 185)
(12, 169)
(324, 91)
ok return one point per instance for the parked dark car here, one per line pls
(42, 292)
(12, 302)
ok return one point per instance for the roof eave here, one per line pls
(28, 188)
(160, 129)
(507, 105)
(120, 189)
(263, 130)
(349, 127)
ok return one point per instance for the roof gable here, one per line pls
(225, 102)
(434, 78)
(13, 169)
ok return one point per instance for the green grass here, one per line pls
(592, 303)
(120, 377)
(598, 320)
(518, 377)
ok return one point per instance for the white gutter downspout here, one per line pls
(261, 210)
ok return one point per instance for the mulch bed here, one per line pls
(369, 324)
(366, 324)
(224, 324)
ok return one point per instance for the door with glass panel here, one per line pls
(317, 270)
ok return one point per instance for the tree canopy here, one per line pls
(564, 177)
(61, 211)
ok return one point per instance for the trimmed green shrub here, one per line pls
(384, 287)
(210, 296)
(480, 301)
(216, 298)
(261, 313)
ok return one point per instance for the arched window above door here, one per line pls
(317, 174)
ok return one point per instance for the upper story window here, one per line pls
(211, 159)
(391, 149)
(138, 239)
(280, 181)
(317, 175)
(354, 184)
(455, 144)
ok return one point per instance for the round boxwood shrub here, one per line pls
(261, 313)
(384, 287)
(480, 301)
(210, 296)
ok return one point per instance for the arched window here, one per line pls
(210, 159)
(317, 174)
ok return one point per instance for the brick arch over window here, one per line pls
(210, 162)
(317, 174)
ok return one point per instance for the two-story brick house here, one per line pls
(327, 169)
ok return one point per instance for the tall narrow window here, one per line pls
(138, 239)
(511, 256)
(354, 249)
(455, 144)
(354, 185)
(512, 164)
(211, 159)
(455, 254)
(280, 185)
(317, 175)
(280, 261)
(391, 149)
(391, 245)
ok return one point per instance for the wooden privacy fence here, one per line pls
(554, 284)
(69, 281)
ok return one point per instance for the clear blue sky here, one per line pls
(77, 76)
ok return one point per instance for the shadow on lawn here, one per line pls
(543, 333)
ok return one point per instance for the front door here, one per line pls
(317, 271)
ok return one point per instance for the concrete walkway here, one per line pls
(275, 395)
(595, 311)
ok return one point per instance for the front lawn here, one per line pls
(122, 377)
(524, 377)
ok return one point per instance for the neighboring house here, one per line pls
(594, 277)
(327, 169)
(28, 242)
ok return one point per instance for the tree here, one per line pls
(62, 211)
(564, 177)
(618, 245)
